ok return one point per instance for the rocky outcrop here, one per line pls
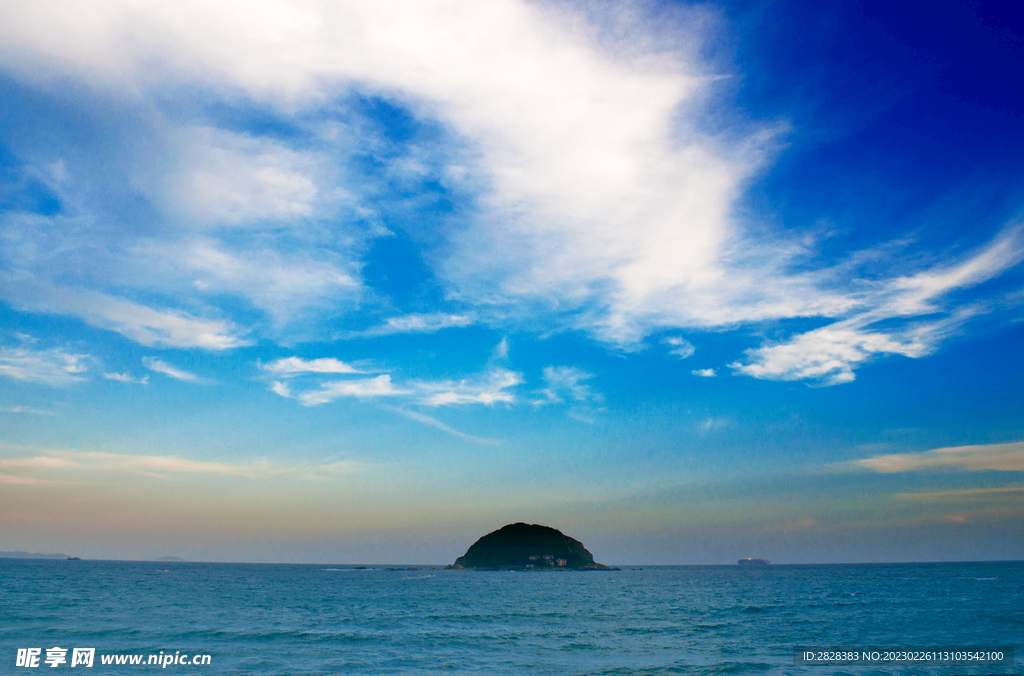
(521, 546)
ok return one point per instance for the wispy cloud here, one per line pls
(567, 381)
(39, 462)
(365, 388)
(830, 354)
(288, 285)
(25, 409)
(592, 196)
(576, 141)
(18, 480)
(435, 423)
(500, 350)
(965, 494)
(1001, 457)
(492, 388)
(67, 463)
(158, 365)
(415, 323)
(679, 346)
(290, 367)
(126, 378)
(704, 373)
(144, 325)
(713, 424)
(55, 366)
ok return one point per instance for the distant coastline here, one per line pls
(31, 555)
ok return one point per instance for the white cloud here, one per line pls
(492, 388)
(488, 388)
(366, 388)
(415, 323)
(500, 350)
(596, 201)
(158, 327)
(567, 381)
(290, 367)
(830, 354)
(679, 346)
(226, 178)
(712, 424)
(126, 378)
(145, 325)
(576, 143)
(49, 367)
(287, 285)
(704, 373)
(1001, 457)
(160, 366)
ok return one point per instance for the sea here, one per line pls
(338, 619)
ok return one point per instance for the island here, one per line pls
(522, 546)
(753, 562)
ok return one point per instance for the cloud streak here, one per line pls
(491, 387)
(126, 378)
(431, 421)
(290, 367)
(144, 325)
(68, 463)
(1007, 457)
(160, 366)
(365, 388)
(832, 353)
(55, 367)
(966, 494)
(415, 323)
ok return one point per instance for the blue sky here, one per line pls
(360, 282)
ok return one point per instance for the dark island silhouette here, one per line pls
(522, 546)
(753, 562)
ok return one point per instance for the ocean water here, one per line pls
(321, 619)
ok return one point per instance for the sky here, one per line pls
(359, 282)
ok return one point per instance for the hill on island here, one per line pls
(521, 546)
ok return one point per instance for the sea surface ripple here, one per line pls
(333, 619)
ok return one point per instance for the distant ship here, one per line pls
(74, 558)
(753, 562)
